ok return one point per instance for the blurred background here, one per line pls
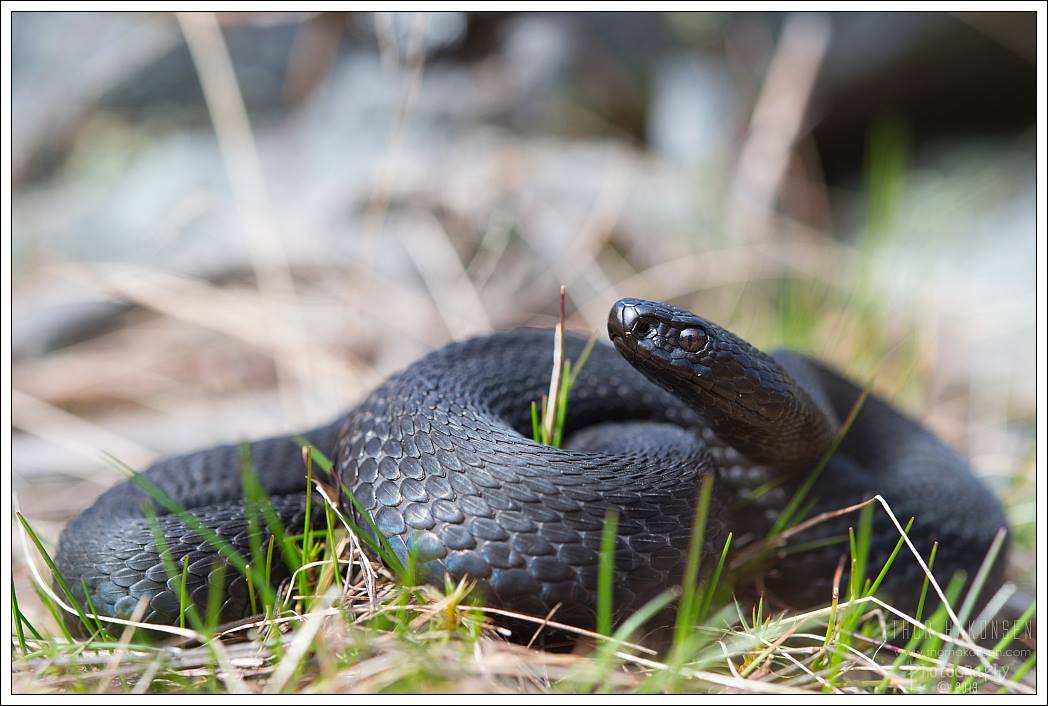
(235, 225)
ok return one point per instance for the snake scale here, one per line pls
(440, 456)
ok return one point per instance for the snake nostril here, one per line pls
(644, 327)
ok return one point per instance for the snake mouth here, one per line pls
(623, 348)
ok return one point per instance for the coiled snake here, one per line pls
(441, 457)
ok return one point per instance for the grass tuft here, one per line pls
(548, 420)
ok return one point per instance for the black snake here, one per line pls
(440, 456)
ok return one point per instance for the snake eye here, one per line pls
(643, 328)
(692, 339)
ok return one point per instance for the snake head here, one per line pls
(744, 395)
(722, 376)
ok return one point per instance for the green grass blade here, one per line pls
(1017, 627)
(583, 357)
(329, 517)
(183, 595)
(307, 523)
(1021, 672)
(605, 657)
(711, 585)
(269, 561)
(101, 632)
(864, 539)
(562, 405)
(926, 581)
(976, 586)
(689, 586)
(606, 573)
(17, 614)
(889, 562)
(57, 613)
(639, 618)
(251, 600)
(215, 596)
(932, 646)
(73, 602)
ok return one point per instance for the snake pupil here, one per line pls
(692, 339)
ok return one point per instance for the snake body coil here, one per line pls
(441, 458)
